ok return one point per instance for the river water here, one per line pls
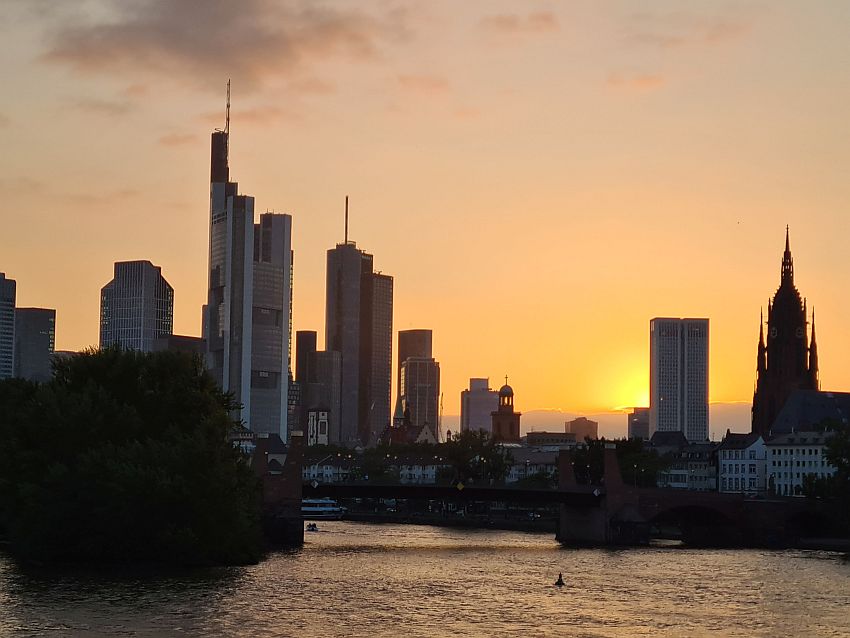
(358, 579)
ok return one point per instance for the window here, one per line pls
(752, 454)
(752, 468)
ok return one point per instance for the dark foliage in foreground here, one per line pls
(124, 456)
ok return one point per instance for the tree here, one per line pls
(124, 456)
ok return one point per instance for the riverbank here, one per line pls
(540, 525)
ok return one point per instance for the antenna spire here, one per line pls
(346, 219)
(227, 115)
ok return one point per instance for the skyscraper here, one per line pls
(411, 343)
(358, 325)
(787, 362)
(477, 404)
(248, 315)
(136, 307)
(638, 424)
(420, 392)
(35, 342)
(7, 327)
(678, 377)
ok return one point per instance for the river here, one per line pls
(359, 579)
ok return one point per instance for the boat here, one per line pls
(321, 509)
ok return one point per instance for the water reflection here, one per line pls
(369, 580)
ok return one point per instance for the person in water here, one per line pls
(560, 581)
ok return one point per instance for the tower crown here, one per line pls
(787, 261)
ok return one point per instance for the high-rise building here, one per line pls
(583, 428)
(477, 404)
(358, 325)
(7, 327)
(35, 341)
(305, 351)
(678, 377)
(248, 315)
(505, 427)
(420, 392)
(787, 362)
(638, 424)
(411, 343)
(136, 307)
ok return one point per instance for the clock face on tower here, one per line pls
(800, 333)
(773, 332)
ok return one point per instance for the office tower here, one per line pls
(411, 343)
(505, 428)
(305, 351)
(583, 428)
(325, 389)
(787, 362)
(7, 327)
(35, 341)
(136, 307)
(248, 315)
(358, 325)
(678, 377)
(638, 424)
(420, 392)
(477, 405)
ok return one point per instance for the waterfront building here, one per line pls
(420, 392)
(795, 458)
(505, 428)
(7, 326)
(692, 466)
(247, 319)
(136, 307)
(35, 342)
(358, 325)
(477, 404)
(582, 428)
(678, 377)
(638, 424)
(527, 462)
(742, 464)
(786, 362)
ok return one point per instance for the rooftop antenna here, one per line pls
(346, 219)
(227, 115)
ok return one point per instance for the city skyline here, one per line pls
(481, 175)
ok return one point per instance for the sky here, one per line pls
(540, 179)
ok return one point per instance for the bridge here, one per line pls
(611, 514)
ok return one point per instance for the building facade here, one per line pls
(136, 307)
(7, 326)
(420, 392)
(582, 428)
(678, 377)
(411, 343)
(35, 342)
(795, 458)
(786, 362)
(477, 405)
(742, 464)
(358, 325)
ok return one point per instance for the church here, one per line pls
(787, 361)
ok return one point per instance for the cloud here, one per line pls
(681, 28)
(514, 24)
(102, 107)
(201, 42)
(425, 84)
(103, 198)
(178, 139)
(257, 115)
(636, 81)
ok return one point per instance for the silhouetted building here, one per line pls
(678, 377)
(305, 350)
(411, 343)
(420, 392)
(7, 327)
(477, 406)
(35, 341)
(786, 362)
(583, 428)
(248, 316)
(136, 307)
(180, 343)
(320, 392)
(807, 410)
(638, 424)
(553, 440)
(505, 421)
(318, 427)
(358, 325)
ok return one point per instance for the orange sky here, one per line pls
(539, 183)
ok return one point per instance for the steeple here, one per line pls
(813, 356)
(787, 261)
(762, 353)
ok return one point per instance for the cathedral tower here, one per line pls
(786, 362)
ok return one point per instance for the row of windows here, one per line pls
(738, 484)
(795, 452)
(738, 468)
(799, 463)
(734, 455)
